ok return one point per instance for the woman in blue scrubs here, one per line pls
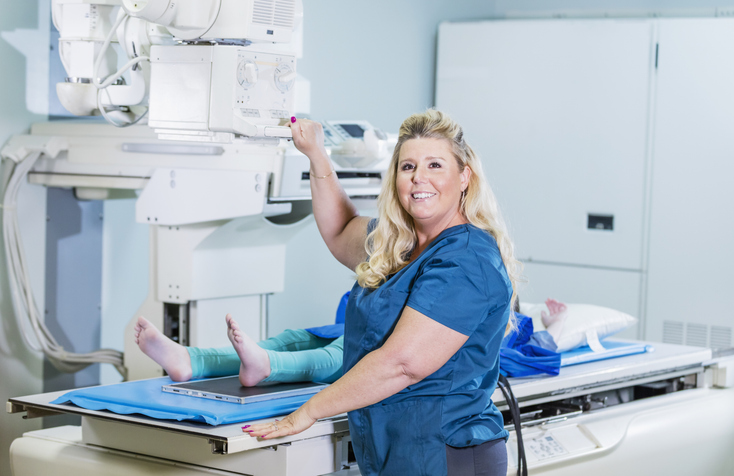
(424, 322)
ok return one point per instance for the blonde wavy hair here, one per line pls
(390, 243)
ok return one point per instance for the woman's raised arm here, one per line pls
(338, 220)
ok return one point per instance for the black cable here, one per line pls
(514, 406)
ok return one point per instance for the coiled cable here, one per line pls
(512, 403)
(33, 330)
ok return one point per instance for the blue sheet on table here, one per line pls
(612, 349)
(145, 397)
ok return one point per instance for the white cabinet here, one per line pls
(557, 110)
(585, 125)
(690, 292)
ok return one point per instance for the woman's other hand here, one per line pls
(308, 137)
(294, 423)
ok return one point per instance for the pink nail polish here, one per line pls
(293, 118)
(246, 426)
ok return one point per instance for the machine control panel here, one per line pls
(284, 77)
(264, 84)
(336, 132)
(247, 73)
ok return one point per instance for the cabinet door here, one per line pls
(558, 110)
(690, 293)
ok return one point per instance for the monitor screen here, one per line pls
(353, 130)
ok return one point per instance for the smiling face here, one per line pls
(429, 183)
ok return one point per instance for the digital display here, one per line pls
(353, 130)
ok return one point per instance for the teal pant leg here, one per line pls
(218, 362)
(293, 340)
(323, 364)
(295, 356)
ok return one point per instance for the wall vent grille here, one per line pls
(673, 332)
(699, 335)
(696, 334)
(274, 12)
(720, 337)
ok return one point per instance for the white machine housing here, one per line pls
(211, 93)
(270, 21)
(83, 27)
(206, 205)
(208, 81)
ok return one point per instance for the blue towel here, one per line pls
(146, 398)
(520, 356)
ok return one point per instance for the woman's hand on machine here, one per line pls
(308, 137)
(294, 423)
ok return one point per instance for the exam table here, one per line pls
(670, 411)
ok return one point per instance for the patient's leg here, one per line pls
(173, 357)
(323, 364)
(291, 340)
(255, 361)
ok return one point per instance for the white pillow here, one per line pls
(586, 324)
(576, 325)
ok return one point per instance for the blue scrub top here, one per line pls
(459, 281)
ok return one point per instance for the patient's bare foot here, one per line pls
(173, 357)
(556, 309)
(255, 361)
